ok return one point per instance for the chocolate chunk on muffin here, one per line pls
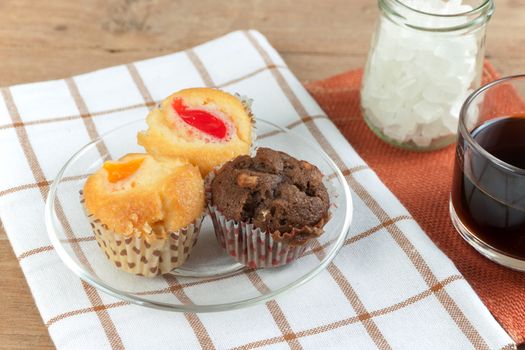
(275, 192)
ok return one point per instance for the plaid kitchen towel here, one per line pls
(388, 288)
(422, 182)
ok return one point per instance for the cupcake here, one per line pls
(266, 209)
(145, 212)
(206, 126)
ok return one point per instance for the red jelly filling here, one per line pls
(201, 120)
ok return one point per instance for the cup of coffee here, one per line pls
(487, 203)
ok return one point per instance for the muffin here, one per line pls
(206, 126)
(266, 209)
(145, 212)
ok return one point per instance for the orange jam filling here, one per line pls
(118, 170)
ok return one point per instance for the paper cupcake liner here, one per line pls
(252, 246)
(247, 103)
(149, 258)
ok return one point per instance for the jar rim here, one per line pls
(484, 5)
(479, 15)
(465, 133)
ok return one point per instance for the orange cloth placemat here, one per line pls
(422, 183)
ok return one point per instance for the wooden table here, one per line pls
(42, 40)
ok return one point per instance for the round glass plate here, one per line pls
(210, 280)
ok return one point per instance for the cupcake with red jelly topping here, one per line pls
(145, 212)
(205, 126)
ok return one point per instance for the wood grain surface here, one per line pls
(42, 40)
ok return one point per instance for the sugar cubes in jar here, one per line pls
(425, 59)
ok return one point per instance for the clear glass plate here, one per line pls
(210, 280)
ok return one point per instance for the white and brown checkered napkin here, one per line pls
(389, 287)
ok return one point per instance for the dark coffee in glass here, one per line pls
(488, 190)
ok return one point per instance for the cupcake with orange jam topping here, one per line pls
(145, 212)
(206, 126)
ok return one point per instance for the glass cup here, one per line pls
(487, 203)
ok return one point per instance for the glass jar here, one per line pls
(426, 57)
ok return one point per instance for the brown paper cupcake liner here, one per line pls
(140, 256)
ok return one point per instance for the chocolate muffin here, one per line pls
(275, 192)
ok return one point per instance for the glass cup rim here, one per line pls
(462, 128)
